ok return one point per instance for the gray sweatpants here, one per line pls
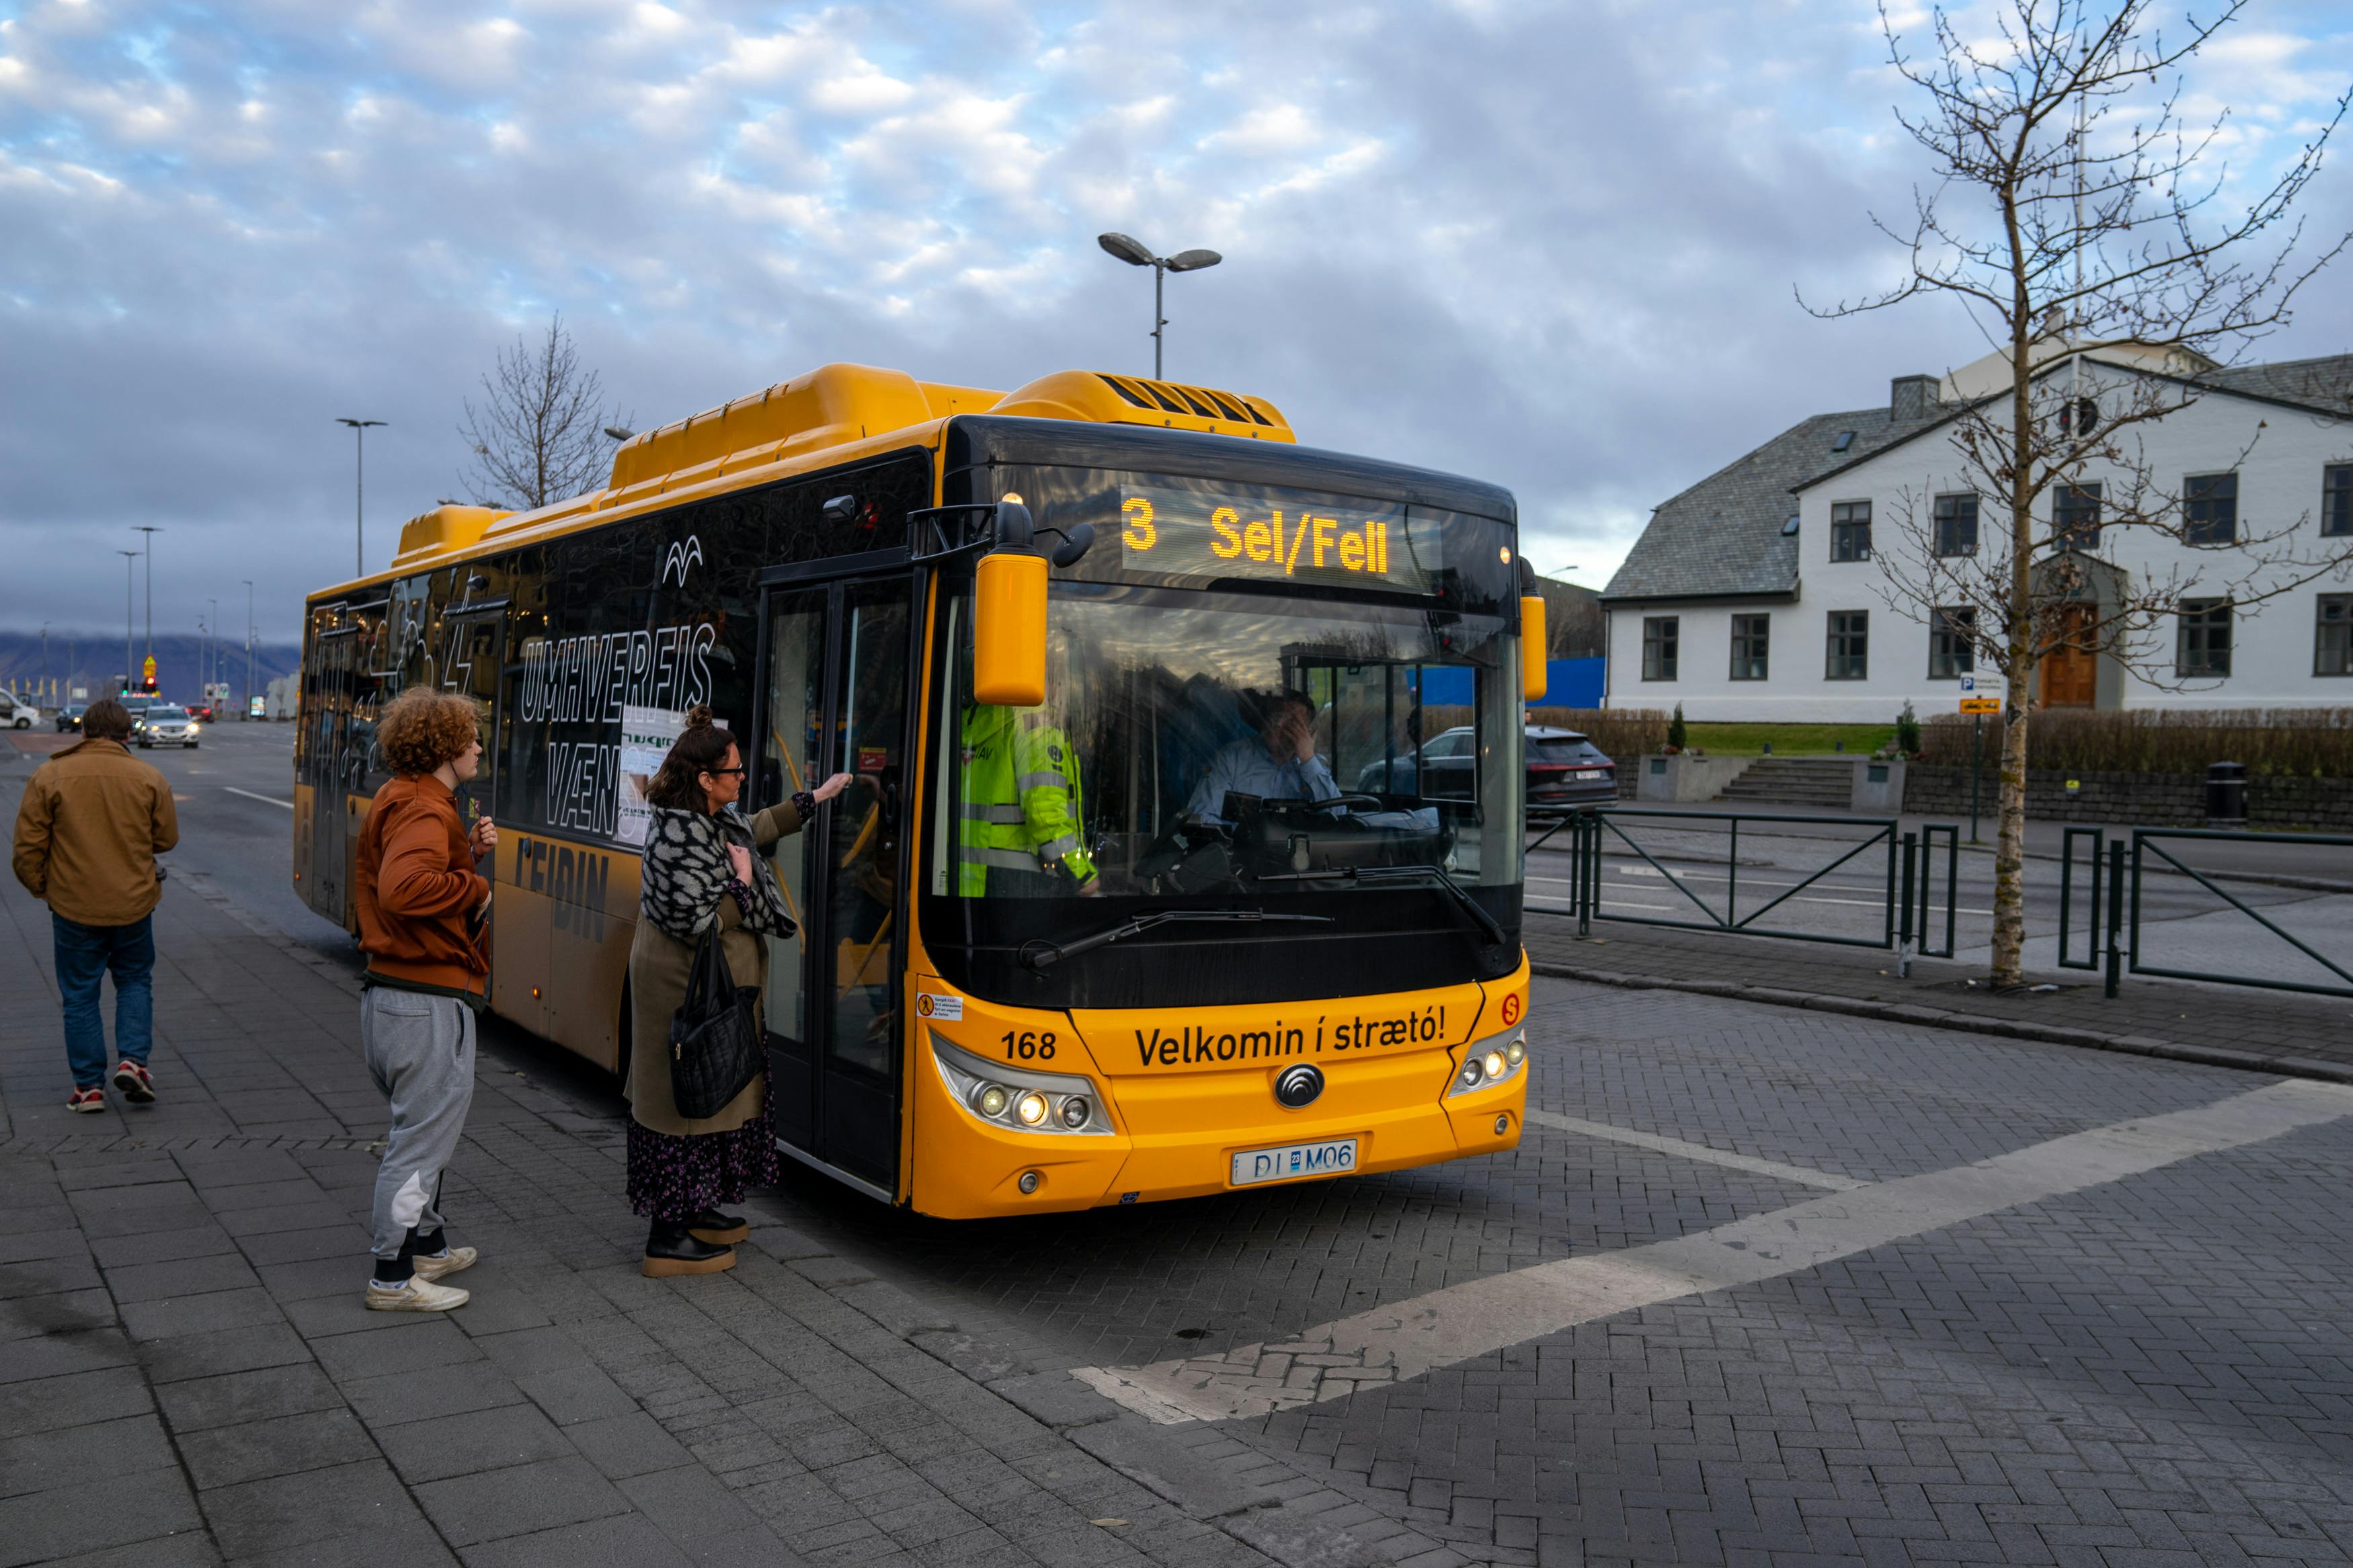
(419, 1048)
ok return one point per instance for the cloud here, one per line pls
(1550, 244)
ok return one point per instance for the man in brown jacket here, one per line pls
(422, 907)
(93, 819)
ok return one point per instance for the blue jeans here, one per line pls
(85, 952)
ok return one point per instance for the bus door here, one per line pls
(327, 772)
(473, 653)
(835, 658)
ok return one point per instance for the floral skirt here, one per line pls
(674, 1176)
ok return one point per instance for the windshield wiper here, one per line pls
(1429, 876)
(1042, 956)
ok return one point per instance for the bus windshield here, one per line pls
(1220, 744)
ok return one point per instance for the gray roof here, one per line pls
(2324, 384)
(1724, 535)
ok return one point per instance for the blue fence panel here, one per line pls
(1575, 683)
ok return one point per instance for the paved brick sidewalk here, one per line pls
(2274, 1031)
(185, 1368)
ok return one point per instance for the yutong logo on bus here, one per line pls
(1194, 1044)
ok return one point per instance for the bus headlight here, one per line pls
(1018, 1099)
(1499, 1058)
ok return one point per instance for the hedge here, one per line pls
(2293, 742)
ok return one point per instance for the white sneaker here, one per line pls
(415, 1294)
(441, 1266)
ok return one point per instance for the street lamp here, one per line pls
(621, 433)
(128, 557)
(360, 427)
(150, 530)
(212, 653)
(248, 645)
(1135, 253)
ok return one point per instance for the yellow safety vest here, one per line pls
(1020, 808)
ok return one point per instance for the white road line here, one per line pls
(1801, 1175)
(1409, 1338)
(264, 799)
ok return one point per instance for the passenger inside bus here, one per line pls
(1279, 763)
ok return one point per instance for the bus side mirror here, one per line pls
(1535, 676)
(1008, 617)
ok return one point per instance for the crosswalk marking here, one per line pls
(1405, 1339)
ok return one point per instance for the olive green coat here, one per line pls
(659, 964)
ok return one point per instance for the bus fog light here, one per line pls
(1075, 1112)
(1493, 1062)
(1503, 1125)
(1515, 1053)
(1030, 1109)
(1031, 1181)
(1472, 1073)
(991, 1101)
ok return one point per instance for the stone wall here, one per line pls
(2140, 800)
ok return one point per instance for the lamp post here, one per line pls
(360, 427)
(150, 530)
(128, 557)
(212, 650)
(1135, 253)
(248, 645)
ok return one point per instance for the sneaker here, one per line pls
(415, 1294)
(131, 1082)
(86, 1100)
(447, 1261)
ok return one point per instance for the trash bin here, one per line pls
(2226, 794)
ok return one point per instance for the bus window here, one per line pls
(864, 851)
(795, 714)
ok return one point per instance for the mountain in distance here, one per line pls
(95, 663)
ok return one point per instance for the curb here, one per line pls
(1973, 1023)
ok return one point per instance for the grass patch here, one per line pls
(1788, 739)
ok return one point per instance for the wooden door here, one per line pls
(2070, 669)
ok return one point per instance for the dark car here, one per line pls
(201, 711)
(69, 715)
(1565, 770)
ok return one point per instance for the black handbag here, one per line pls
(715, 1038)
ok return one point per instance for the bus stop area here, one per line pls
(1767, 1280)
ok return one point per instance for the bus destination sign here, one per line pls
(1268, 535)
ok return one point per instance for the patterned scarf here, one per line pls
(686, 875)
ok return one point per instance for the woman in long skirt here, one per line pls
(703, 871)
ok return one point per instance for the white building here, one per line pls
(1754, 594)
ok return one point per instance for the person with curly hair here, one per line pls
(422, 907)
(703, 872)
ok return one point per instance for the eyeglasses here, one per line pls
(723, 772)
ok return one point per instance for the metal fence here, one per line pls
(1904, 867)
(2112, 931)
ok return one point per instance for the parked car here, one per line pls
(17, 712)
(69, 715)
(165, 726)
(1565, 770)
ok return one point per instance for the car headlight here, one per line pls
(1496, 1059)
(1018, 1099)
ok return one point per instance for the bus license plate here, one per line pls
(1332, 1157)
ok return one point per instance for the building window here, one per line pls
(1659, 636)
(2076, 518)
(1952, 642)
(1752, 637)
(2079, 417)
(2210, 509)
(2337, 500)
(1851, 530)
(1957, 524)
(1850, 648)
(2202, 646)
(2332, 640)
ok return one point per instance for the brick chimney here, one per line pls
(1912, 398)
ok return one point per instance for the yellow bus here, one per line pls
(1275, 934)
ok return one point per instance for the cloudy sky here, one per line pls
(1551, 245)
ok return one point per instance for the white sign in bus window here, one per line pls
(646, 736)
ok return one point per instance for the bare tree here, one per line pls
(2074, 218)
(539, 435)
